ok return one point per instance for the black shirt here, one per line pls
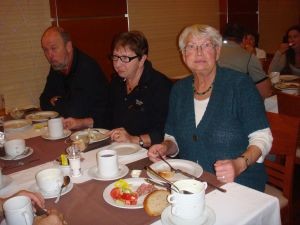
(144, 109)
(84, 91)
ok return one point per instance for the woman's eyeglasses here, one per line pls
(123, 58)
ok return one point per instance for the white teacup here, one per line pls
(275, 77)
(18, 211)
(188, 206)
(49, 180)
(55, 127)
(14, 147)
(107, 162)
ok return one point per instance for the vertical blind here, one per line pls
(23, 67)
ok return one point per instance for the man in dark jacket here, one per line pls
(76, 86)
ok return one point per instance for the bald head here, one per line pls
(57, 48)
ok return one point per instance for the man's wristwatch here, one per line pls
(141, 142)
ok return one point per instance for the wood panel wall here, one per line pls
(92, 25)
(275, 17)
(161, 21)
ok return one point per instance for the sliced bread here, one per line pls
(156, 202)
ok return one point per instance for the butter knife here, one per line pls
(193, 177)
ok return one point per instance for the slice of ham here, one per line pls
(144, 189)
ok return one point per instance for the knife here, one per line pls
(193, 177)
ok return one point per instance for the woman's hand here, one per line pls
(121, 135)
(283, 47)
(36, 197)
(156, 150)
(228, 170)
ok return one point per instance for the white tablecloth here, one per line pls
(242, 206)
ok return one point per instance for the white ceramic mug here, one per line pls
(188, 206)
(55, 127)
(275, 77)
(14, 147)
(107, 162)
(49, 180)
(18, 211)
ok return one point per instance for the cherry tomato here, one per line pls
(116, 193)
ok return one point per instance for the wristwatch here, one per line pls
(141, 142)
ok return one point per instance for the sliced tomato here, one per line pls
(130, 198)
(116, 193)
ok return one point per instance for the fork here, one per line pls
(174, 169)
(189, 175)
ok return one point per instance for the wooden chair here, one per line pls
(290, 105)
(281, 169)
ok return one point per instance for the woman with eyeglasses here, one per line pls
(216, 116)
(139, 93)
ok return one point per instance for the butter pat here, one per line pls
(135, 173)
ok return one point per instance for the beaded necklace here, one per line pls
(204, 92)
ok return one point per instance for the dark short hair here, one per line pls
(134, 40)
(64, 34)
(234, 31)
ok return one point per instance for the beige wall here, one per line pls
(161, 21)
(23, 67)
(275, 17)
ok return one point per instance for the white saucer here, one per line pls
(6, 180)
(92, 172)
(30, 151)
(65, 190)
(67, 133)
(207, 218)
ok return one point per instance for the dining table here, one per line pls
(84, 203)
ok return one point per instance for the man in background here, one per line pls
(233, 56)
(76, 86)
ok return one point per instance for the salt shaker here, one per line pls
(74, 160)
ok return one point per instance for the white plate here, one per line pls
(207, 218)
(6, 180)
(65, 190)
(16, 125)
(41, 116)
(185, 165)
(97, 134)
(287, 86)
(123, 171)
(125, 148)
(288, 77)
(135, 183)
(67, 133)
(30, 151)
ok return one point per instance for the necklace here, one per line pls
(204, 92)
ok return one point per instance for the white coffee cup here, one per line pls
(55, 127)
(107, 162)
(14, 147)
(49, 180)
(188, 206)
(275, 77)
(18, 211)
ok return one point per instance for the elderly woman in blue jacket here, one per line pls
(216, 115)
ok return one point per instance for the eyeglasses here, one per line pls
(208, 46)
(123, 58)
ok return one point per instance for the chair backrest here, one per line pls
(281, 170)
(288, 104)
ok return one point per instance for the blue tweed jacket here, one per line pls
(235, 110)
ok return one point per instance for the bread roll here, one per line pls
(156, 202)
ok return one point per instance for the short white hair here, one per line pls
(202, 31)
